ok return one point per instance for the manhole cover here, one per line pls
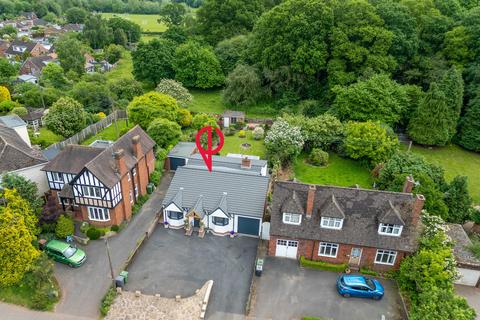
(246, 145)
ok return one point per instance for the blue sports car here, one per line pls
(359, 286)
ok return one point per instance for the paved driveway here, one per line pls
(171, 263)
(284, 291)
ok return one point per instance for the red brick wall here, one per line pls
(150, 161)
(115, 218)
(309, 249)
(142, 176)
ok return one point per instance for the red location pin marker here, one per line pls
(207, 154)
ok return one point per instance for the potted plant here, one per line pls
(165, 224)
(232, 233)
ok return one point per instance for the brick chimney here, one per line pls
(417, 208)
(137, 148)
(310, 199)
(409, 184)
(120, 166)
(246, 163)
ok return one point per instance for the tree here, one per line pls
(294, 33)
(176, 90)
(4, 94)
(34, 96)
(76, 15)
(164, 132)
(131, 30)
(197, 66)
(125, 88)
(283, 142)
(7, 106)
(145, 108)
(7, 70)
(66, 117)
(201, 120)
(231, 52)
(184, 118)
(469, 135)
(152, 61)
(452, 87)
(243, 86)
(218, 20)
(64, 227)
(53, 75)
(17, 252)
(369, 141)
(120, 37)
(94, 96)
(430, 125)
(20, 111)
(70, 55)
(434, 196)
(25, 188)
(441, 304)
(113, 53)
(378, 98)
(456, 48)
(172, 13)
(97, 32)
(458, 200)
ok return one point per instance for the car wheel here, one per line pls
(71, 265)
(377, 297)
(346, 295)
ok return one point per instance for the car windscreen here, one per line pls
(370, 284)
(70, 251)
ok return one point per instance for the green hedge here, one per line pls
(107, 301)
(368, 272)
(323, 265)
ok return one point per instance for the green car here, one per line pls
(65, 253)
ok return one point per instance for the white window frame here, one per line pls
(389, 253)
(57, 176)
(383, 229)
(128, 176)
(287, 218)
(134, 171)
(326, 221)
(328, 246)
(131, 196)
(98, 214)
(87, 192)
(136, 191)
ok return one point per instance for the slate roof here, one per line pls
(72, 159)
(228, 162)
(232, 113)
(362, 210)
(33, 114)
(183, 150)
(463, 256)
(18, 43)
(198, 207)
(40, 62)
(246, 193)
(15, 154)
(12, 121)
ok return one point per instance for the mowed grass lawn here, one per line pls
(124, 68)
(456, 161)
(148, 22)
(233, 144)
(109, 133)
(339, 172)
(45, 137)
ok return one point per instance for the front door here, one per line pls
(196, 223)
(355, 256)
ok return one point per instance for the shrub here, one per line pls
(283, 142)
(144, 109)
(8, 105)
(228, 131)
(164, 132)
(318, 157)
(115, 228)
(258, 133)
(184, 118)
(4, 94)
(39, 281)
(367, 271)
(20, 111)
(320, 265)
(84, 227)
(48, 227)
(243, 86)
(242, 134)
(475, 247)
(155, 177)
(176, 90)
(93, 233)
(64, 227)
(107, 301)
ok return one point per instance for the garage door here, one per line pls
(286, 248)
(248, 226)
(468, 277)
(176, 162)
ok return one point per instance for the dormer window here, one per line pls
(292, 218)
(390, 229)
(331, 223)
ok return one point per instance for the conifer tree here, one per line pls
(452, 87)
(469, 136)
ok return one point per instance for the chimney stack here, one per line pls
(137, 148)
(310, 199)
(246, 163)
(417, 208)
(120, 166)
(409, 184)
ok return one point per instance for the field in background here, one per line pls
(148, 22)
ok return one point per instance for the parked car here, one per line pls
(65, 253)
(359, 286)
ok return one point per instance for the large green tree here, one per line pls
(172, 13)
(283, 142)
(243, 86)
(176, 90)
(197, 66)
(469, 135)
(152, 61)
(222, 19)
(25, 188)
(94, 96)
(164, 132)
(145, 108)
(458, 200)
(66, 117)
(125, 88)
(76, 15)
(130, 29)
(231, 52)
(452, 87)
(70, 53)
(53, 75)
(97, 32)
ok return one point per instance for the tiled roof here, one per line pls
(72, 159)
(183, 150)
(12, 121)
(463, 255)
(232, 113)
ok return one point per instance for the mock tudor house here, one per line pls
(356, 226)
(229, 199)
(100, 185)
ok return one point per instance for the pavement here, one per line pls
(286, 291)
(171, 263)
(472, 295)
(83, 288)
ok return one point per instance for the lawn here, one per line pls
(456, 161)
(109, 133)
(148, 22)
(45, 138)
(233, 145)
(339, 172)
(124, 68)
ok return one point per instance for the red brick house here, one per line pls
(100, 185)
(356, 226)
(34, 65)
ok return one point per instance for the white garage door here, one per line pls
(286, 248)
(468, 277)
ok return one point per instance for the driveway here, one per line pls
(84, 288)
(174, 264)
(285, 291)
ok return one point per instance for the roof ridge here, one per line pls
(243, 173)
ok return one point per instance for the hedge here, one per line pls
(320, 265)
(368, 272)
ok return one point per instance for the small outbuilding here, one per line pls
(468, 265)
(179, 155)
(232, 117)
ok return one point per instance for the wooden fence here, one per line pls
(89, 131)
